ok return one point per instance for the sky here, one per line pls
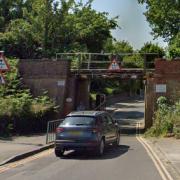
(134, 27)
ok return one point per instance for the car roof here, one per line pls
(86, 113)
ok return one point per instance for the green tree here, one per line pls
(11, 10)
(49, 26)
(117, 46)
(133, 61)
(163, 16)
(174, 46)
(151, 48)
(88, 27)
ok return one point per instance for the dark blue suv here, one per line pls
(86, 130)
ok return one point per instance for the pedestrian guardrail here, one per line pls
(51, 130)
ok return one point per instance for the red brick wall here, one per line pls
(166, 72)
(45, 75)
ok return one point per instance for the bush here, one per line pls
(164, 119)
(19, 111)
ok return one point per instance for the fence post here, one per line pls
(89, 61)
(47, 133)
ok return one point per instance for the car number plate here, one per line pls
(75, 133)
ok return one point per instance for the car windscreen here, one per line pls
(78, 121)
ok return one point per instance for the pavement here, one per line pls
(168, 151)
(18, 145)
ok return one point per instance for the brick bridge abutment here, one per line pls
(54, 77)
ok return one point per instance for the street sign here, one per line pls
(3, 64)
(2, 81)
(161, 88)
(114, 65)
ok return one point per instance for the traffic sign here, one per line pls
(2, 81)
(114, 65)
(3, 64)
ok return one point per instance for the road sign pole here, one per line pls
(2, 80)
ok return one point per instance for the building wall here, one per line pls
(166, 73)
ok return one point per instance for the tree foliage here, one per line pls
(35, 28)
(149, 47)
(133, 61)
(156, 50)
(19, 111)
(174, 46)
(116, 47)
(163, 16)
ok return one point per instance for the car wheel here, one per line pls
(59, 152)
(117, 142)
(100, 149)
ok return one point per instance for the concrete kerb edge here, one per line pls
(26, 154)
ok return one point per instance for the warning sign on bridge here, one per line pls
(114, 65)
(2, 81)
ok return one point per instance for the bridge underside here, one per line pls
(104, 73)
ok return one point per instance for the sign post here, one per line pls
(2, 81)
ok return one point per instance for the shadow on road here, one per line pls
(118, 115)
(119, 105)
(110, 153)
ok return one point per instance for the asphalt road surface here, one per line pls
(129, 161)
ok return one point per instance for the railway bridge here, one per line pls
(67, 78)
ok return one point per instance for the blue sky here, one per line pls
(134, 27)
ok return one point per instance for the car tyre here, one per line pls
(59, 152)
(100, 149)
(117, 142)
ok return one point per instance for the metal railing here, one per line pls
(89, 61)
(51, 130)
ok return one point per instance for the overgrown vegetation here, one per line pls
(20, 112)
(166, 119)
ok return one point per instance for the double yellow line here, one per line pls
(157, 162)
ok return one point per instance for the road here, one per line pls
(129, 161)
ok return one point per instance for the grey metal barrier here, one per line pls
(51, 130)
